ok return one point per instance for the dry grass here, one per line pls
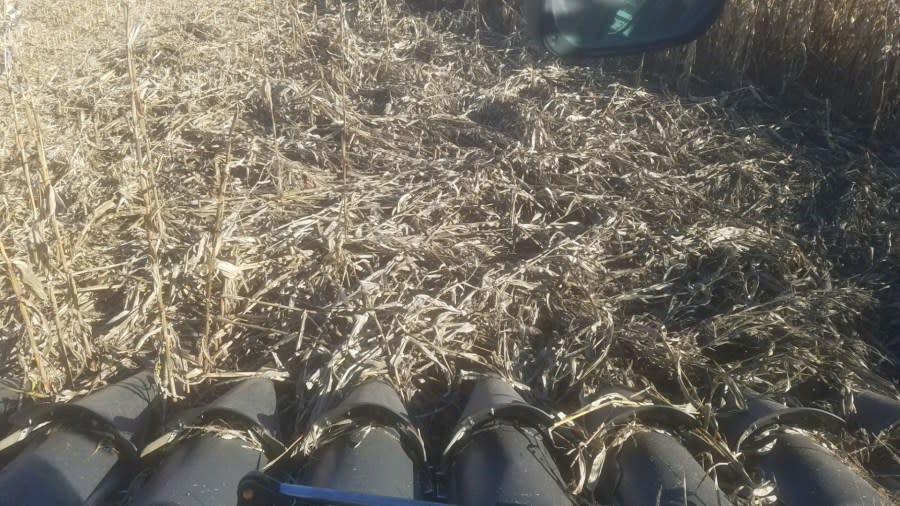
(338, 190)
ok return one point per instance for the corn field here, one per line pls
(844, 51)
(322, 192)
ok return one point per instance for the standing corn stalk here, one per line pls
(62, 258)
(216, 244)
(47, 211)
(26, 320)
(153, 224)
(36, 215)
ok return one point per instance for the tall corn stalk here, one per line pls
(847, 51)
(154, 227)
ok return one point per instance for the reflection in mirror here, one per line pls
(620, 26)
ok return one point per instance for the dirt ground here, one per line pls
(322, 192)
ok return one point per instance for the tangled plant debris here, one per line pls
(330, 191)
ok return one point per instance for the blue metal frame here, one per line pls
(260, 489)
(341, 498)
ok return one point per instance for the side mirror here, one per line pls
(619, 27)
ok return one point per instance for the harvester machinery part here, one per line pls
(498, 453)
(879, 415)
(367, 445)
(803, 471)
(875, 413)
(210, 449)
(651, 466)
(370, 454)
(80, 452)
(9, 402)
(365, 451)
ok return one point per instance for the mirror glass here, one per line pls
(611, 27)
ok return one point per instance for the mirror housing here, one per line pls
(596, 28)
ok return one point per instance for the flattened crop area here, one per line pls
(327, 191)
